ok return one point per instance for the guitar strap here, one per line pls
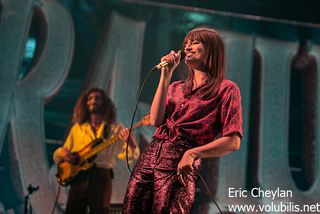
(106, 131)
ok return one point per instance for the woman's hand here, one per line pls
(185, 166)
(173, 58)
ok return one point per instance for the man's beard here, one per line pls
(96, 110)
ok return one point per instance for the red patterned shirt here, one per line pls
(201, 120)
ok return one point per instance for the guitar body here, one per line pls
(68, 171)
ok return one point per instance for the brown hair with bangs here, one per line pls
(81, 112)
(214, 60)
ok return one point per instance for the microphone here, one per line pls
(167, 63)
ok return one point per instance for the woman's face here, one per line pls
(195, 54)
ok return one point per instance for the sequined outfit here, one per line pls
(189, 122)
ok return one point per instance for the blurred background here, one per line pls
(53, 50)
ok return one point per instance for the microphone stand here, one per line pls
(30, 189)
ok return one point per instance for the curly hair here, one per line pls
(81, 112)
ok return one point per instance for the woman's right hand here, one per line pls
(173, 58)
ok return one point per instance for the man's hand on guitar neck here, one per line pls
(123, 136)
(134, 151)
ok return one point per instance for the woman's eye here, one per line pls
(195, 42)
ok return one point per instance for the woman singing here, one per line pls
(197, 118)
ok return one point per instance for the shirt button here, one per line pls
(182, 105)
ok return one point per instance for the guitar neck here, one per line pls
(111, 140)
(93, 151)
(136, 125)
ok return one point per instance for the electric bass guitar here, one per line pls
(67, 172)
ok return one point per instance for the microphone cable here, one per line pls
(133, 116)
(131, 125)
(207, 189)
(128, 140)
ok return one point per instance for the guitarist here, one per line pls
(93, 115)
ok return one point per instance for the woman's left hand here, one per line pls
(185, 166)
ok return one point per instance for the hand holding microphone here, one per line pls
(170, 61)
(185, 166)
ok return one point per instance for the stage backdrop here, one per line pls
(51, 51)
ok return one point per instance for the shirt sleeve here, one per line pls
(231, 112)
(133, 154)
(57, 155)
